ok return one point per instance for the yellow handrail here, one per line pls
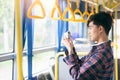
(116, 47)
(29, 13)
(113, 4)
(68, 9)
(110, 5)
(106, 7)
(18, 31)
(91, 2)
(56, 7)
(78, 11)
(57, 63)
(97, 7)
(86, 12)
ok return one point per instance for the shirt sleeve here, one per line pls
(82, 69)
(66, 51)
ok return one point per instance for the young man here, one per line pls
(98, 64)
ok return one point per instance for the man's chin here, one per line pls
(91, 41)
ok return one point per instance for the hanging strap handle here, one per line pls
(56, 7)
(86, 13)
(37, 2)
(68, 9)
(78, 11)
(92, 11)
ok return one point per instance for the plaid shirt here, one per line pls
(97, 65)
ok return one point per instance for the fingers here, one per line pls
(68, 42)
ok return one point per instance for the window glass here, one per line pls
(40, 62)
(6, 25)
(6, 70)
(45, 30)
(77, 29)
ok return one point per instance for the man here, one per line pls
(98, 64)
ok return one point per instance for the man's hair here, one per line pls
(102, 19)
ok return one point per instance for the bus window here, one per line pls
(6, 25)
(41, 62)
(45, 35)
(45, 29)
(6, 70)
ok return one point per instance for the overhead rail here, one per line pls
(95, 3)
(29, 13)
(61, 16)
(91, 2)
(56, 7)
(110, 5)
(69, 10)
(77, 11)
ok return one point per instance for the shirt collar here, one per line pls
(102, 45)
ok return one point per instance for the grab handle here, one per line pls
(29, 13)
(68, 9)
(56, 7)
(86, 12)
(92, 12)
(78, 11)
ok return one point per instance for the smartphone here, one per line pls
(67, 34)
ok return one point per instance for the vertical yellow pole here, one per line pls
(18, 39)
(97, 7)
(116, 47)
(56, 67)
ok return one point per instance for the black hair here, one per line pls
(102, 19)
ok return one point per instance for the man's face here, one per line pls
(93, 31)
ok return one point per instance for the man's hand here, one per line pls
(68, 44)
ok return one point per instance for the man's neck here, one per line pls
(102, 39)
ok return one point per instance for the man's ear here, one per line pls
(101, 29)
